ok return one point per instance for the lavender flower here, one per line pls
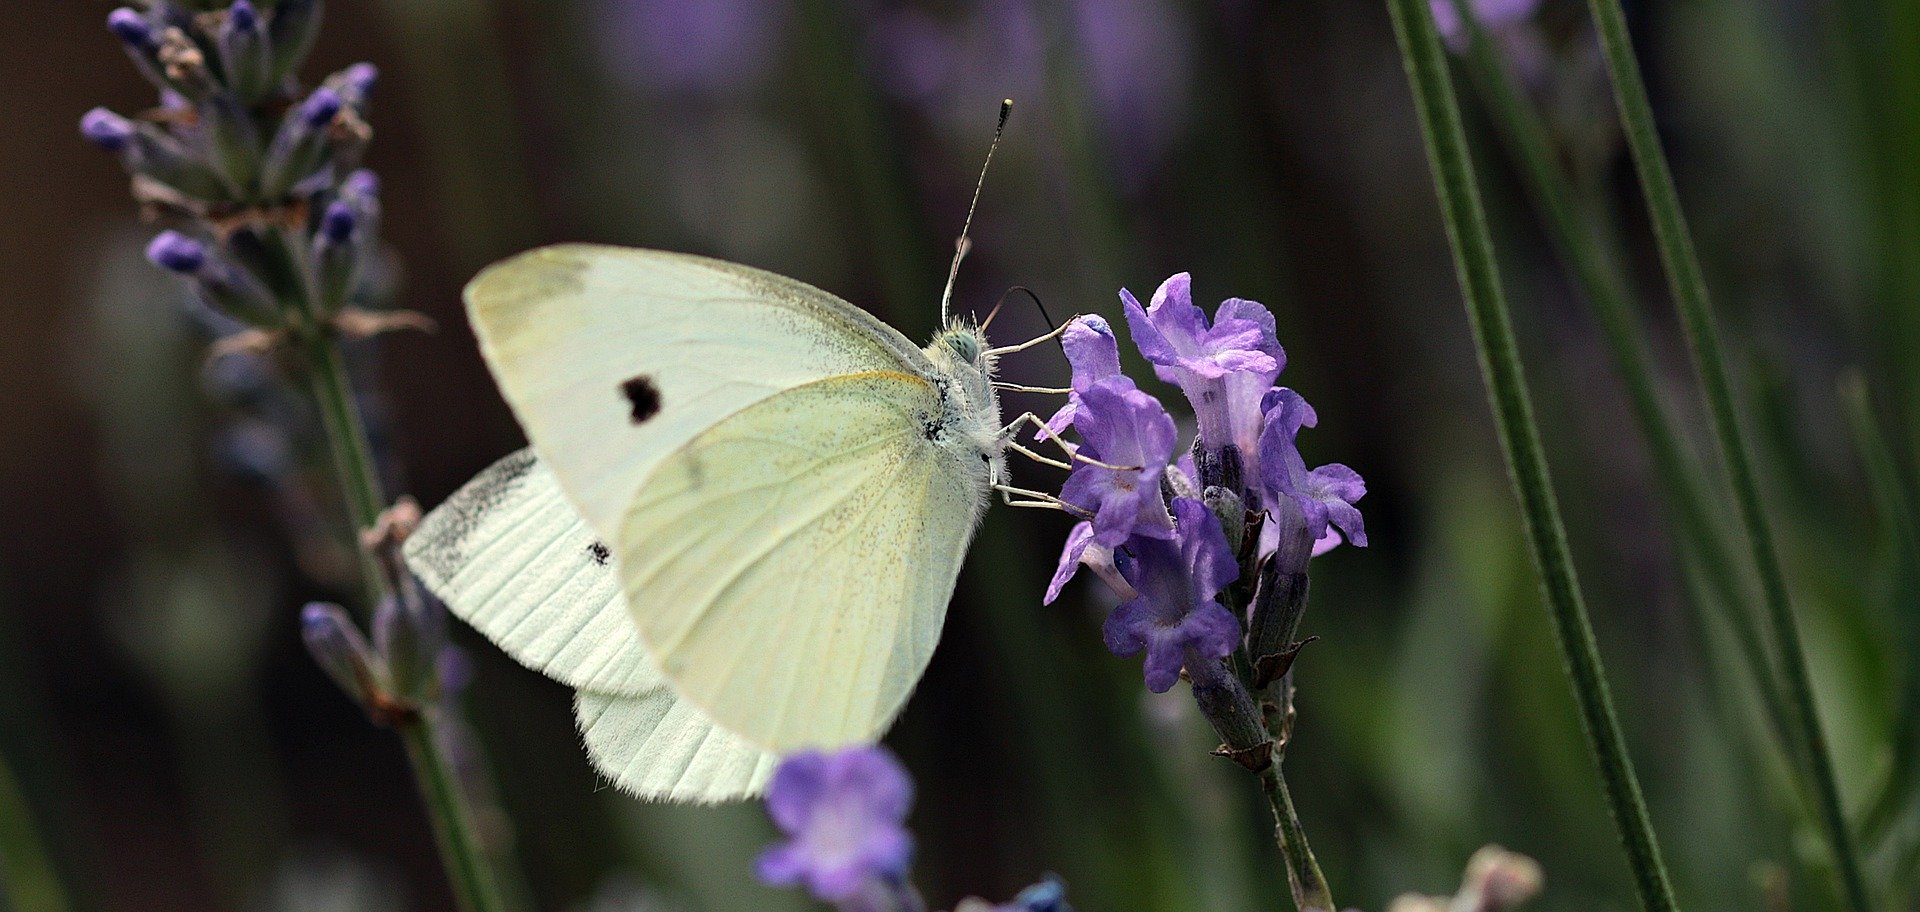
(1225, 366)
(1094, 354)
(844, 815)
(106, 129)
(1124, 427)
(1325, 495)
(1174, 616)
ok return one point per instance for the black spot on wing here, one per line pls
(642, 397)
(600, 553)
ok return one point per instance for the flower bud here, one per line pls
(336, 254)
(1230, 709)
(246, 58)
(141, 39)
(176, 252)
(1280, 600)
(338, 648)
(107, 130)
(300, 147)
(355, 84)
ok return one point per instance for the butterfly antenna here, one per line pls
(1009, 293)
(965, 243)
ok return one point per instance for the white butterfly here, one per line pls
(749, 508)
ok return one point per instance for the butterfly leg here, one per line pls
(1023, 388)
(1023, 346)
(1013, 428)
(1039, 499)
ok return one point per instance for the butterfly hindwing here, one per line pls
(790, 567)
(509, 556)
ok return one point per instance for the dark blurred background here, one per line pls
(159, 529)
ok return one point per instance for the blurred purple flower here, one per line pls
(1137, 57)
(1494, 16)
(1134, 56)
(1225, 366)
(844, 814)
(1121, 426)
(694, 47)
(1174, 614)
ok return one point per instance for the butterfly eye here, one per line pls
(964, 345)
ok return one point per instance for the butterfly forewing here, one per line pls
(790, 567)
(613, 357)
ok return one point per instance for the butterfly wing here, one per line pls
(509, 556)
(790, 566)
(657, 746)
(614, 357)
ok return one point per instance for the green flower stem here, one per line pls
(1587, 253)
(28, 882)
(469, 871)
(1303, 870)
(1689, 288)
(1895, 503)
(1446, 142)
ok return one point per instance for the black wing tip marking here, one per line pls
(643, 397)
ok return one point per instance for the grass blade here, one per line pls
(1447, 152)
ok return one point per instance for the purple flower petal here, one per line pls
(844, 814)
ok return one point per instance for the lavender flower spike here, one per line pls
(844, 814)
(1225, 366)
(106, 129)
(1121, 426)
(1175, 615)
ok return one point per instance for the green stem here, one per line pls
(1580, 243)
(465, 860)
(468, 869)
(28, 882)
(1466, 224)
(1896, 507)
(1688, 285)
(1303, 870)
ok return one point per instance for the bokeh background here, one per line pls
(159, 526)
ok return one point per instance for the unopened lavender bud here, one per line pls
(133, 30)
(320, 109)
(106, 129)
(409, 634)
(290, 32)
(1221, 468)
(176, 252)
(339, 649)
(141, 38)
(1280, 600)
(1232, 514)
(1049, 895)
(1230, 709)
(245, 55)
(301, 144)
(355, 84)
(336, 254)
